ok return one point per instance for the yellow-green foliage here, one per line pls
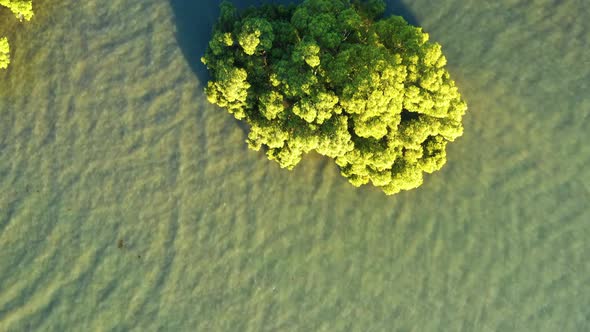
(4, 53)
(333, 76)
(23, 9)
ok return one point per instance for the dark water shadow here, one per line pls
(396, 7)
(195, 20)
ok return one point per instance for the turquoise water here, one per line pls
(128, 203)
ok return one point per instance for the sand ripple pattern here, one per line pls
(128, 203)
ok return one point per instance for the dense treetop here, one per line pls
(23, 10)
(335, 77)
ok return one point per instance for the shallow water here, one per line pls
(127, 202)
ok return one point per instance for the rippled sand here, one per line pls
(127, 202)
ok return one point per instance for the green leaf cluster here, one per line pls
(4, 53)
(335, 77)
(23, 9)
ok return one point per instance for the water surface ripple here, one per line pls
(128, 203)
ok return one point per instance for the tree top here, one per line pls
(338, 78)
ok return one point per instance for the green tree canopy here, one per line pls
(23, 9)
(335, 77)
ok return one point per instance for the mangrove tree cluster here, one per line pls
(336, 77)
(23, 10)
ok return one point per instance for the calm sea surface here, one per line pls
(128, 203)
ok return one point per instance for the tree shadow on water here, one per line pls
(397, 7)
(195, 19)
(194, 23)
